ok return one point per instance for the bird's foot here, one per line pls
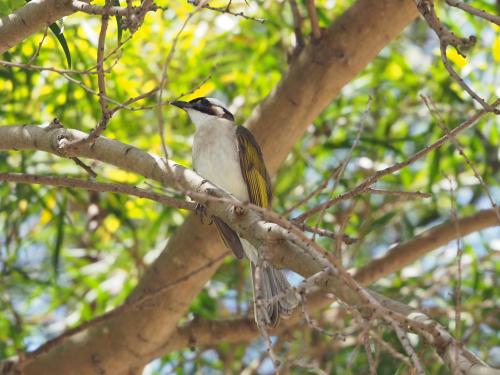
(201, 212)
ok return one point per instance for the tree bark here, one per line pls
(408, 252)
(29, 19)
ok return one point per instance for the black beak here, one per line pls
(181, 104)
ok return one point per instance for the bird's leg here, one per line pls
(201, 209)
(201, 212)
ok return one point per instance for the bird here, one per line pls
(228, 155)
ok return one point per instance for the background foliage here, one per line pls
(67, 256)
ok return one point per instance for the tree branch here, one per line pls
(83, 6)
(97, 186)
(474, 11)
(368, 182)
(313, 17)
(346, 47)
(406, 253)
(29, 19)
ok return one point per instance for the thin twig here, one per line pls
(368, 182)
(127, 103)
(226, 10)
(313, 16)
(101, 79)
(388, 347)
(458, 286)
(164, 76)
(101, 83)
(401, 194)
(35, 55)
(346, 216)
(461, 81)
(474, 11)
(448, 38)
(136, 304)
(297, 24)
(326, 233)
(261, 316)
(316, 191)
(366, 343)
(311, 322)
(45, 68)
(85, 167)
(64, 73)
(97, 186)
(405, 342)
(347, 159)
(433, 110)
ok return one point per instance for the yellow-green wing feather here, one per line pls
(253, 168)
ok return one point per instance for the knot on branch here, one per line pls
(62, 139)
(60, 142)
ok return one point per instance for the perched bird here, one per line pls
(228, 156)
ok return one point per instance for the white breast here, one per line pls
(215, 156)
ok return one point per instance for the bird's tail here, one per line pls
(272, 290)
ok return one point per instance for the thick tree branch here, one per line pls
(407, 253)
(36, 15)
(33, 17)
(83, 6)
(319, 72)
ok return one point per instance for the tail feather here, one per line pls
(271, 283)
(288, 302)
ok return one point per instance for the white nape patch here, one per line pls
(217, 102)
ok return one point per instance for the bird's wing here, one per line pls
(230, 237)
(253, 168)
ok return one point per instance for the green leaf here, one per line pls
(56, 30)
(434, 168)
(119, 23)
(56, 253)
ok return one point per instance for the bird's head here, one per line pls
(202, 110)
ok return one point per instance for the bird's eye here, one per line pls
(202, 101)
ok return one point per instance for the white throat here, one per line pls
(201, 119)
